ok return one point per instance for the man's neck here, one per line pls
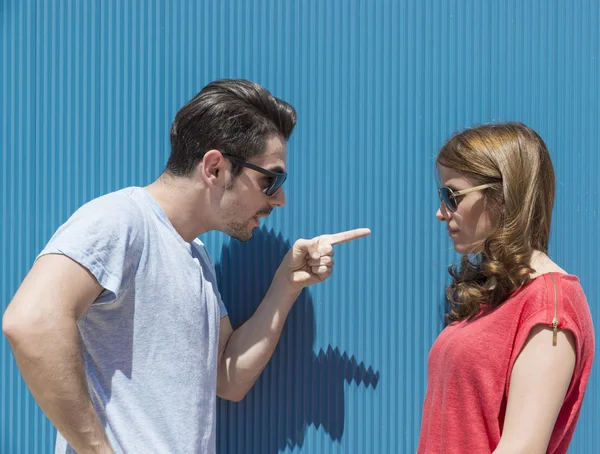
(183, 203)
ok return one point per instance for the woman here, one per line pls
(509, 372)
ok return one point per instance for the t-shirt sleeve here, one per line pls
(213, 276)
(106, 236)
(539, 310)
(222, 308)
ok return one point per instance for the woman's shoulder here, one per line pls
(537, 296)
(573, 311)
(549, 274)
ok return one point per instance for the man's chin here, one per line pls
(242, 232)
(242, 235)
(245, 238)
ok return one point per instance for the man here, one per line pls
(119, 329)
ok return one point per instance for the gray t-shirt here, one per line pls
(150, 340)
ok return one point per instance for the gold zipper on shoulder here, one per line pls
(555, 319)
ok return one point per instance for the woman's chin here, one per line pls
(466, 249)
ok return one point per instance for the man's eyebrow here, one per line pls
(276, 169)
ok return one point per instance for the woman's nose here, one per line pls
(442, 213)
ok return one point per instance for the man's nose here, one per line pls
(278, 199)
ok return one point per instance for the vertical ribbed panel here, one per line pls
(88, 92)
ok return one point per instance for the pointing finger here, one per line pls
(349, 235)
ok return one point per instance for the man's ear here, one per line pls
(211, 169)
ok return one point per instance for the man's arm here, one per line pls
(40, 325)
(244, 353)
(538, 384)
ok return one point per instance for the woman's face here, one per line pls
(471, 223)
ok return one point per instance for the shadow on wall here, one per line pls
(298, 388)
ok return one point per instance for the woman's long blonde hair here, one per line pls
(515, 159)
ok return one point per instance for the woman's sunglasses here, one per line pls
(449, 197)
(277, 178)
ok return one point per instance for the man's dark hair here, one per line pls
(232, 116)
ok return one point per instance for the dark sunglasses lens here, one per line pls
(277, 182)
(447, 199)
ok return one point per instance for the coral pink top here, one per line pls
(470, 364)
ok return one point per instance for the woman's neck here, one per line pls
(542, 264)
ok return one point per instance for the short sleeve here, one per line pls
(538, 309)
(106, 236)
(222, 308)
(208, 264)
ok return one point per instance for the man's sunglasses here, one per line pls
(277, 178)
(449, 197)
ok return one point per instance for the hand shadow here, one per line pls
(297, 388)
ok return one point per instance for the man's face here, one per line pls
(244, 201)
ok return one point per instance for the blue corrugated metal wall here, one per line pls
(89, 89)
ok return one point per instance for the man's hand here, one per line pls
(311, 261)
(244, 353)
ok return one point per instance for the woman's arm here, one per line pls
(538, 383)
